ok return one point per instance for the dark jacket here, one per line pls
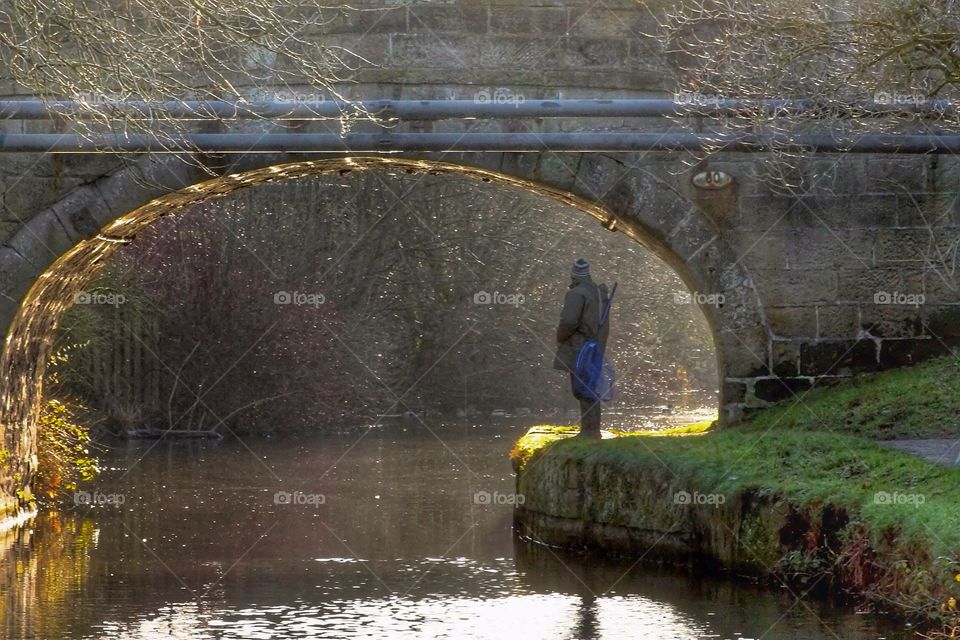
(579, 320)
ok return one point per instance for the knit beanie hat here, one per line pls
(580, 269)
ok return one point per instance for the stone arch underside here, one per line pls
(61, 248)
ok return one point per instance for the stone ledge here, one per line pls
(620, 499)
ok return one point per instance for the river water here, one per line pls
(399, 532)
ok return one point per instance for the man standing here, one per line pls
(579, 322)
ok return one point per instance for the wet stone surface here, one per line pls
(945, 451)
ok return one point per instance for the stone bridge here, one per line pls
(853, 273)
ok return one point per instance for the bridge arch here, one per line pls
(52, 256)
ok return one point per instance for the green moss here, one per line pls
(806, 467)
(818, 450)
(536, 439)
(816, 454)
(915, 519)
(695, 429)
(540, 436)
(756, 542)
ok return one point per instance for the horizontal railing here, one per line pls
(471, 142)
(491, 107)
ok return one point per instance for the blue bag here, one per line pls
(594, 377)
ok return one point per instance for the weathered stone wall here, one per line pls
(578, 502)
(856, 273)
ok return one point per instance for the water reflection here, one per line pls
(399, 547)
(43, 567)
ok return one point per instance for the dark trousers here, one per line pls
(589, 412)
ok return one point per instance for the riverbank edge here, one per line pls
(594, 495)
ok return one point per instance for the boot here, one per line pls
(590, 420)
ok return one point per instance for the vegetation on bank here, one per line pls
(896, 516)
(922, 401)
(64, 447)
(537, 438)
(64, 455)
(807, 467)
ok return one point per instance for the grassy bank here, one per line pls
(922, 401)
(837, 508)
